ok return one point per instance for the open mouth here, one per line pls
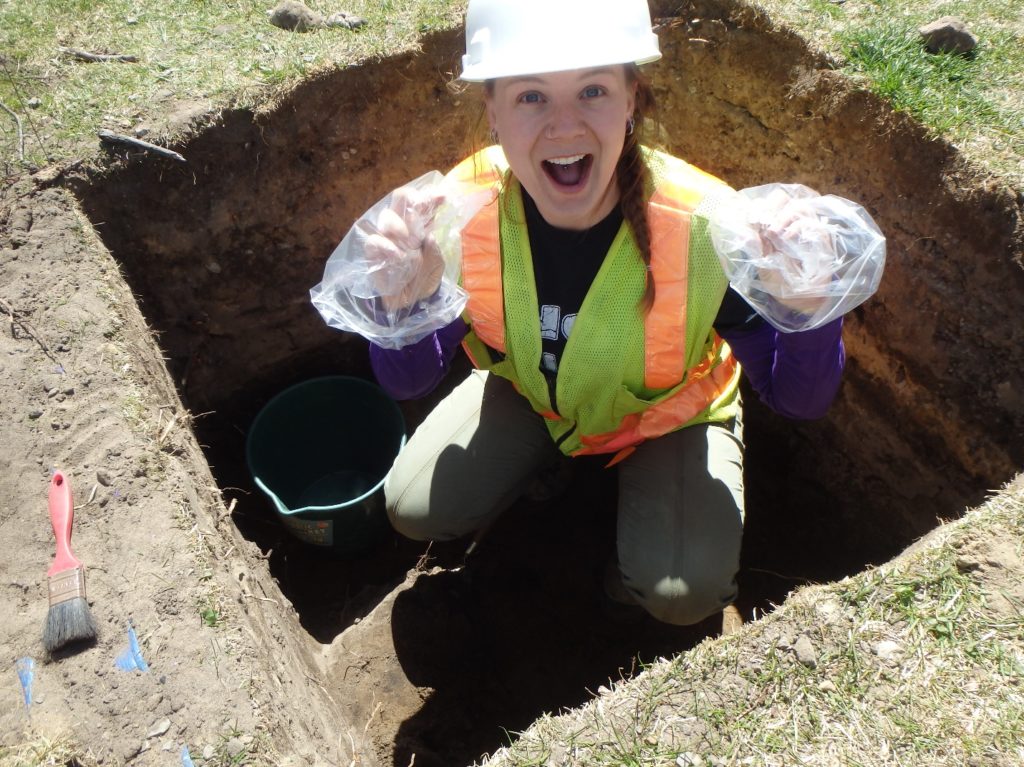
(570, 171)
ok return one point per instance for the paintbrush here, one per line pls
(68, 619)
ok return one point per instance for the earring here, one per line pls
(630, 125)
(493, 136)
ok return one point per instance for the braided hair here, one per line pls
(633, 178)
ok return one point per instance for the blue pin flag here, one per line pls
(186, 758)
(130, 658)
(26, 671)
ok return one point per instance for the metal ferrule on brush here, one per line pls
(67, 585)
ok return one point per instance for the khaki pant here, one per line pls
(680, 508)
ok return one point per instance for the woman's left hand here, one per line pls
(798, 251)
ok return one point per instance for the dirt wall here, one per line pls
(223, 250)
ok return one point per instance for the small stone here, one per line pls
(345, 20)
(132, 21)
(948, 35)
(234, 747)
(805, 653)
(208, 752)
(887, 649)
(827, 686)
(34, 414)
(295, 17)
(689, 760)
(34, 103)
(158, 729)
(103, 478)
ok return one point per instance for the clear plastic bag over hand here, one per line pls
(800, 259)
(394, 278)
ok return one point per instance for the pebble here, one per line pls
(805, 653)
(887, 649)
(158, 729)
(345, 20)
(103, 478)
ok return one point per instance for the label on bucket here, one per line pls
(319, 532)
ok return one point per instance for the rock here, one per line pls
(804, 651)
(295, 17)
(346, 20)
(103, 478)
(234, 747)
(887, 649)
(158, 729)
(948, 35)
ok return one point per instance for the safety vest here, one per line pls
(624, 376)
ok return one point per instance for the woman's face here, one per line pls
(562, 134)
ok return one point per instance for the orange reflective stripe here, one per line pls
(705, 384)
(481, 277)
(665, 323)
(481, 249)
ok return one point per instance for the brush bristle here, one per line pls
(68, 622)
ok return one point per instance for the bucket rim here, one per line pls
(286, 512)
(249, 437)
(279, 506)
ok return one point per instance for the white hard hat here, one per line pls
(522, 37)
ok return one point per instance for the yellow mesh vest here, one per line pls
(601, 373)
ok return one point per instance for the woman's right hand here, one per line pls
(403, 257)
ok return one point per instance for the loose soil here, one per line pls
(155, 307)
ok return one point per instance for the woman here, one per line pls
(599, 317)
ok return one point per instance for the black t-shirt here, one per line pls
(565, 263)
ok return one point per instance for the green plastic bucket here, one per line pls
(321, 451)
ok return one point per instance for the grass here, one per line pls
(913, 667)
(975, 103)
(215, 53)
(45, 752)
(960, 97)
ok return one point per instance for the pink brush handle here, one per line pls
(62, 514)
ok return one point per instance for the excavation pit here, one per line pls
(222, 251)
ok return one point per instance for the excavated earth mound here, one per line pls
(155, 307)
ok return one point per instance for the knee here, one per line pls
(418, 524)
(684, 602)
